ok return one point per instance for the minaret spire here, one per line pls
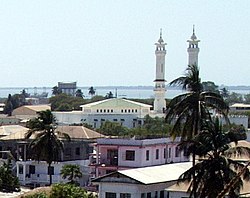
(159, 90)
(193, 49)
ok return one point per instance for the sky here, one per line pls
(111, 42)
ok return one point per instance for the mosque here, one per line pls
(126, 112)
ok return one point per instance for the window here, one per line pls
(125, 111)
(20, 169)
(149, 195)
(130, 155)
(129, 110)
(169, 152)
(177, 152)
(111, 110)
(136, 110)
(147, 155)
(101, 110)
(156, 194)
(161, 194)
(108, 110)
(97, 110)
(122, 110)
(125, 195)
(77, 151)
(110, 195)
(51, 170)
(115, 120)
(164, 153)
(32, 169)
(143, 195)
(157, 154)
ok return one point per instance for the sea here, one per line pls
(118, 91)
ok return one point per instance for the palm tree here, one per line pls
(79, 93)
(187, 110)
(71, 172)
(46, 145)
(215, 168)
(91, 91)
(56, 90)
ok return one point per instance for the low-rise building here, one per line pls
(141, 182)
(27, 112)
(126, 112)
(32, 172)
(119, 154)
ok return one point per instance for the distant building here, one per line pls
(126, 112)
(240, 107)
(68, 88)
(27, 112)
(120, 154)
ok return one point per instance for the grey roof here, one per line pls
(153, 174)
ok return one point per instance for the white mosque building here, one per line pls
(126, 112)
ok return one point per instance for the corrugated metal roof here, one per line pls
(157, 174)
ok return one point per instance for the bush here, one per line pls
(67, 191)
(37, 195)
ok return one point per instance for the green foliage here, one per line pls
(210, 86)
(79, 93)
(67, 191)
(72, 172)
(37, 195)
(235, 98)
(91, 91)
(8, 181)
(56, 90)
(216, 169)
(64, 102)
(112, 128)
(14, 102)
(47, 145)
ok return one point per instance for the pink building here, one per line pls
(120, 154)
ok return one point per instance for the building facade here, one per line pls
(120, 154)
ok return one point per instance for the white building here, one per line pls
(37, 173)
(126, 112)
(141, 182)
(119, 154)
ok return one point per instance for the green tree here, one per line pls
(79, 93)
(109, 95)
(224, 92)
(187, 110)
(69, 191)
(215, 168)
(235, 98)
(210, 86)
(64, 102)
(91, 91)
(72, 172)
(46, 145)
(112, 128)
(56, 91)
(8, 181)
(8, 108)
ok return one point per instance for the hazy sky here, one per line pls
(111, 42)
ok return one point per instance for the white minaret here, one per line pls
(193, 49)
(160, 90)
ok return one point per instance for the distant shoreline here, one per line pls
(234, 87)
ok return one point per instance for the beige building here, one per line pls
(29, 111)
